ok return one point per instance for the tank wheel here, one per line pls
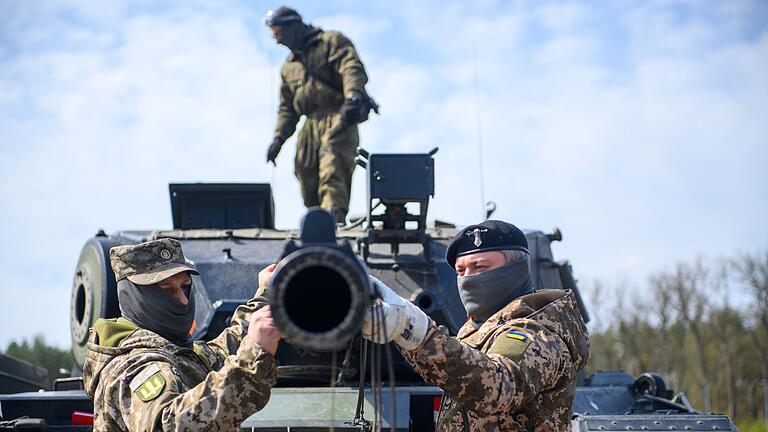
(94, 293)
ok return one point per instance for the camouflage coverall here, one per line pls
(325, 155)
(140, 381)
(516, 372)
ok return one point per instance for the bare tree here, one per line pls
(605, 350)
(686, 288)
(597, 303)
(724, 317)
(753, 270)
(694, 331)
(665, 315)
(633, 328)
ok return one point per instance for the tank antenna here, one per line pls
(483, 213)
(271, 99)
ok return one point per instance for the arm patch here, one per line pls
(511, 344)
(151, 388)
(148, 384)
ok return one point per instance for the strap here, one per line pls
(201, 355)
(312, 74)
(359, 420)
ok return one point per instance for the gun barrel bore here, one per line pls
(318, 298)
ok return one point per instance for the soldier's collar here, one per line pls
(517, 308)
(112, 332)
(313, 34)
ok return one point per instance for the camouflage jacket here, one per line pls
(329, 55)
(139, 381)
(516, 372)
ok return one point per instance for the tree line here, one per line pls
(702, 325)
(37, 351)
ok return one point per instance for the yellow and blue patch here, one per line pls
(517, 335)
(512, 344)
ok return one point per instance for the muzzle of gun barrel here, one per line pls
(318, 297)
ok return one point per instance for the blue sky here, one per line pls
(639, 128)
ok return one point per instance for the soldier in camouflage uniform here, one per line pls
(324, 80)
(512, 366)
(143, 372)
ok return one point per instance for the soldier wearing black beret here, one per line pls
(513, 364)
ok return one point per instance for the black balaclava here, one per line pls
(152, 308)
(485, 293)
(292, 35)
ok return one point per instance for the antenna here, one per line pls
(483, 209)
(271, 99)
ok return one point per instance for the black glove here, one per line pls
(351, 112)
(274, 150)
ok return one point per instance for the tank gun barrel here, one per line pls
(320, 291)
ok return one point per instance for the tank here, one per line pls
(229, 241)
(227, 232)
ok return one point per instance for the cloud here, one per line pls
(94, 134)
(562, 17)
(637, 127)
(362, 30)
(623, 153)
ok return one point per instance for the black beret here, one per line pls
(491, 235)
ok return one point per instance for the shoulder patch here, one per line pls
(511, 344)
(143, 376)
(148, 384)
(151, 388)
(516, 335)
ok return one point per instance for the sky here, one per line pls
(639, 128)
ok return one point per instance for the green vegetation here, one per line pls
(41, 354)
(751, 426)
(703, 326)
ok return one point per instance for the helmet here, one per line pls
(282, 16)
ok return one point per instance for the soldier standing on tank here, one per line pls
(144, 372)
(324, 80)
(512, 366)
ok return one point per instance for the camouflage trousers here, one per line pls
(325, 161)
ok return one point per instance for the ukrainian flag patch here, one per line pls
(511, 344)
(517, 335)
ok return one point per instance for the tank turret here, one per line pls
(227, 232)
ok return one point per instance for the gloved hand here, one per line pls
(404, 323)
(274, 150)
(350, 110)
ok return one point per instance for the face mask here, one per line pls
(485, 293)
(152, 308)
(292, 35)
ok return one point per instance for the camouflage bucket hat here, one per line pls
(149, 263)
